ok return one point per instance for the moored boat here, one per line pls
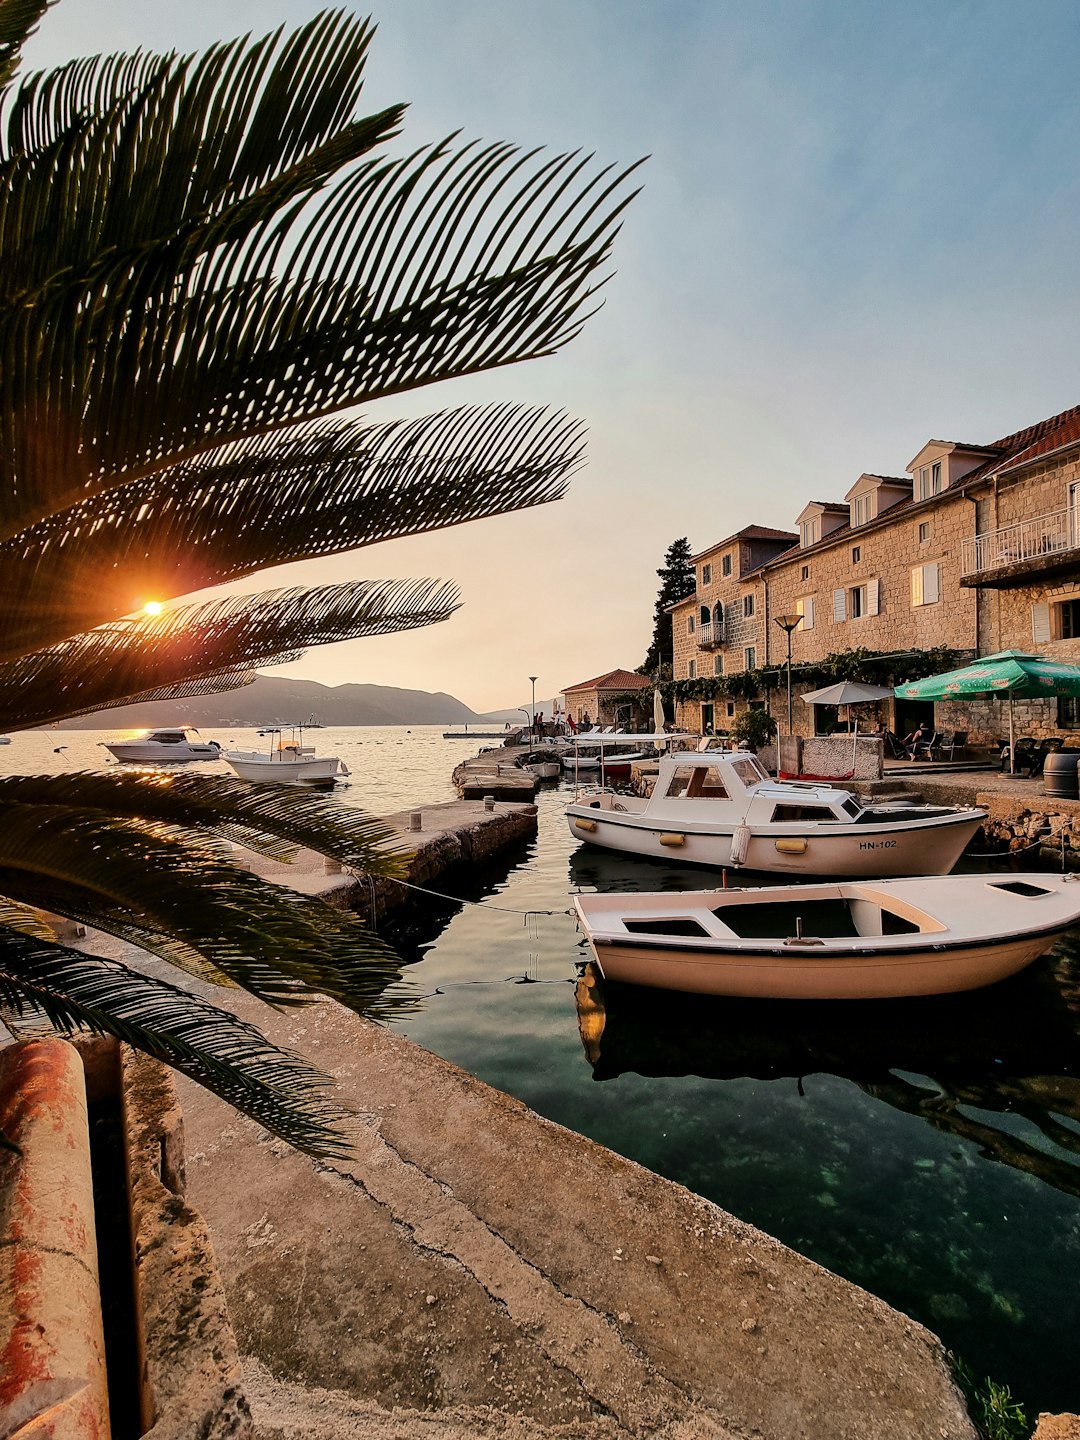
(171, 746)
(930, 935)
(286, 762)
(722, 809)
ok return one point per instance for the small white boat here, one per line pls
(285, 762)
(859, 941)
(721, 808)
(540, 763)
(173, 746)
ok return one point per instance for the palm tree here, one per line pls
(205, 261)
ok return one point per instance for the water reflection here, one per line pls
(961, 1063)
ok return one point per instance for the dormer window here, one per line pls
(862, 508)
(929, 480)
(810, 531)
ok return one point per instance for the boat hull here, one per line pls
(134, 752)
(930, 847)
(284, 772)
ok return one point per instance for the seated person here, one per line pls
(921, 735)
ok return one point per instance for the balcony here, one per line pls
(1017, 554)
(709, 636)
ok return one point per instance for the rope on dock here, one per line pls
(481, 904)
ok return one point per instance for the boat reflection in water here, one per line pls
(954, 1061)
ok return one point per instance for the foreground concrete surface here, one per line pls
(476, 1270)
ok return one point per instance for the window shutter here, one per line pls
(1040, 624)
(932, 583)
(916, 586)
(873, 596)
(808, 613)
(839, 605)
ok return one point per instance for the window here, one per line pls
(706, 574)
(706, 615)
(725, 565)
(925, 584)
(689, 624)
(805, 573)
(692, 672)
(1068, 712)
(930, 480)
(924, 532)
(1069, 619)
(698, 782)
(862, 508)
(750, 657)
(809, 531)
(748, 605)
(718, 664)
(856, 554)
(857, 601)
(730, 708)
(718, 623)
(805, 608)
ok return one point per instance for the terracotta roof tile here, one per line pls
(613, 680)
(1028, 444)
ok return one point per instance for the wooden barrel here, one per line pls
(1060, 774)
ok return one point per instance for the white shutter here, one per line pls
(808, 613)
(1040, 624)
(839, 605)
(916, 586)
(873, 596)
(932, 583)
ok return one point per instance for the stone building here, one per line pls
(976, 548)
(621, 697)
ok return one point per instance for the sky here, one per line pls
(857, 231)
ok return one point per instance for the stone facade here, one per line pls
(977, 549)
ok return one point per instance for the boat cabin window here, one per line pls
(803, 812)
(698, 782)
(749, 771)
(167, 737)
(852, 806)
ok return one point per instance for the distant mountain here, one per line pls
(273, 701)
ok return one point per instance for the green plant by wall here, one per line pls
(997, 1416)
(753, 728)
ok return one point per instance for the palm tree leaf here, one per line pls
(135, 659)
(314, 490)
(27, 918)
(218, 803)
(278, 945)
(77, 991)
(18, 21)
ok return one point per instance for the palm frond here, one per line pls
(278, 945)
(77, 991)
(314, 490)
(18, 21)
(134, 659)
(27, 918)
(218, 803)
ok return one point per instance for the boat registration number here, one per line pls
(877, 844)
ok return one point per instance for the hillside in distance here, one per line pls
(274, 701)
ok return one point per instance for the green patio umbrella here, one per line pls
(1010, 672)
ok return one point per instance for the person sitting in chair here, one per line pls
(919, 736)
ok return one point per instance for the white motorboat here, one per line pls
(857, 941)
(173, 746)
(612, 753)
(721, 809)
(541, 763)
(286, 762)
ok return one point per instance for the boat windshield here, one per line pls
(698, 782)
(749, 770)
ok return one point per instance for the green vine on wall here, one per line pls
(871, 667)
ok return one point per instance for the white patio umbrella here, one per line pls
(847, 692)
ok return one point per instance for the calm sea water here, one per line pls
(928, 1150)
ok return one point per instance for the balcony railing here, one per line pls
(709, 635)
(1043, 538)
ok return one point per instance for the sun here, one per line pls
(152, 607)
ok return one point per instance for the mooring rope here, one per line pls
(461, 900)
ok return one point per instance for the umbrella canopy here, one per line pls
(1011, 673)
(847, 692)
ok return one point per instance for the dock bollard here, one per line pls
(416, 819)
(489, 802)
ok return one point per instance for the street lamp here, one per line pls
(533, 680)
(788, 623)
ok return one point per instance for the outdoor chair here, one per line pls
(924, 749)
(952, 741)
(1026, 757)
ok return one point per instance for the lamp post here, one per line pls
(532, 679)
(788, 624)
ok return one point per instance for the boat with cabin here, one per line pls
(174, 745)
(863, 940)
(286, 762)
(723, 809)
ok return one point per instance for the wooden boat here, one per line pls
(722, 809)
(286, 762)
(864, 940)
(170, 746)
